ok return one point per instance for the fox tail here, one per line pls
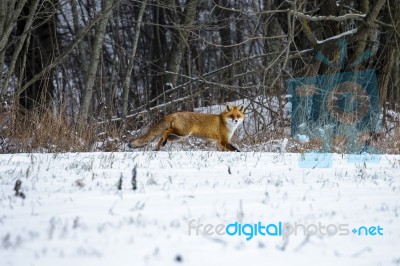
(155, 131)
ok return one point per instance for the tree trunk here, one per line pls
(94, 61)
(41, 52)
(272, 48)
(389, 56)
(24, 40)
(77, 28)
(396, 81)
(176, 55)
(158, 51)
(8, 18)
(360, 45)
(125, 93)
(227, 50)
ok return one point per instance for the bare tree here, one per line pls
(41, 49)
(127, 79)
(178, 49)
(94, 61)
(112, 61)
(10, 11)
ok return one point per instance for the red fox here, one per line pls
(173, 127)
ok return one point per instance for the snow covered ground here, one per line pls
(74, 214)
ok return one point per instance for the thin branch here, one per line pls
(19, 46)
(125, 90)
(339, 36)
(160, 106)
(66, 52)
(325, 18)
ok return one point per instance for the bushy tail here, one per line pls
(155, 131)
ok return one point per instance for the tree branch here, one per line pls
(331, 18)
(66, 52)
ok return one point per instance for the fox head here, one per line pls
(234, 114)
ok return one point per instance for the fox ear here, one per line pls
(229, 107)
(240, 108)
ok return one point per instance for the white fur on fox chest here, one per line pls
(232, 125)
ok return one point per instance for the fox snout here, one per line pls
(235, 120)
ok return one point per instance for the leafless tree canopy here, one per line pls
(118, 60)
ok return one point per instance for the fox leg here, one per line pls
(170, 134)
(174, 137)
(159, 144)
(167, 135)
(233, 148)
(163, 140)
(226, 146)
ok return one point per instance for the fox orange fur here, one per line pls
(173, 127)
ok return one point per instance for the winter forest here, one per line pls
(316, 181)
(77, 72)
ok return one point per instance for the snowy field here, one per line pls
(74, 214)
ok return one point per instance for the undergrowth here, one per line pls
(47, 131)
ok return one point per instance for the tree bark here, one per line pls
(125, 92)
(41, 51)
(22, 41)
(176, 55)
(9, 14)
(389, 57)
(94, 61)
(77, 28)
(361, 44)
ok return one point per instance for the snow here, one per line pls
(339, 36)
(73, 213)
